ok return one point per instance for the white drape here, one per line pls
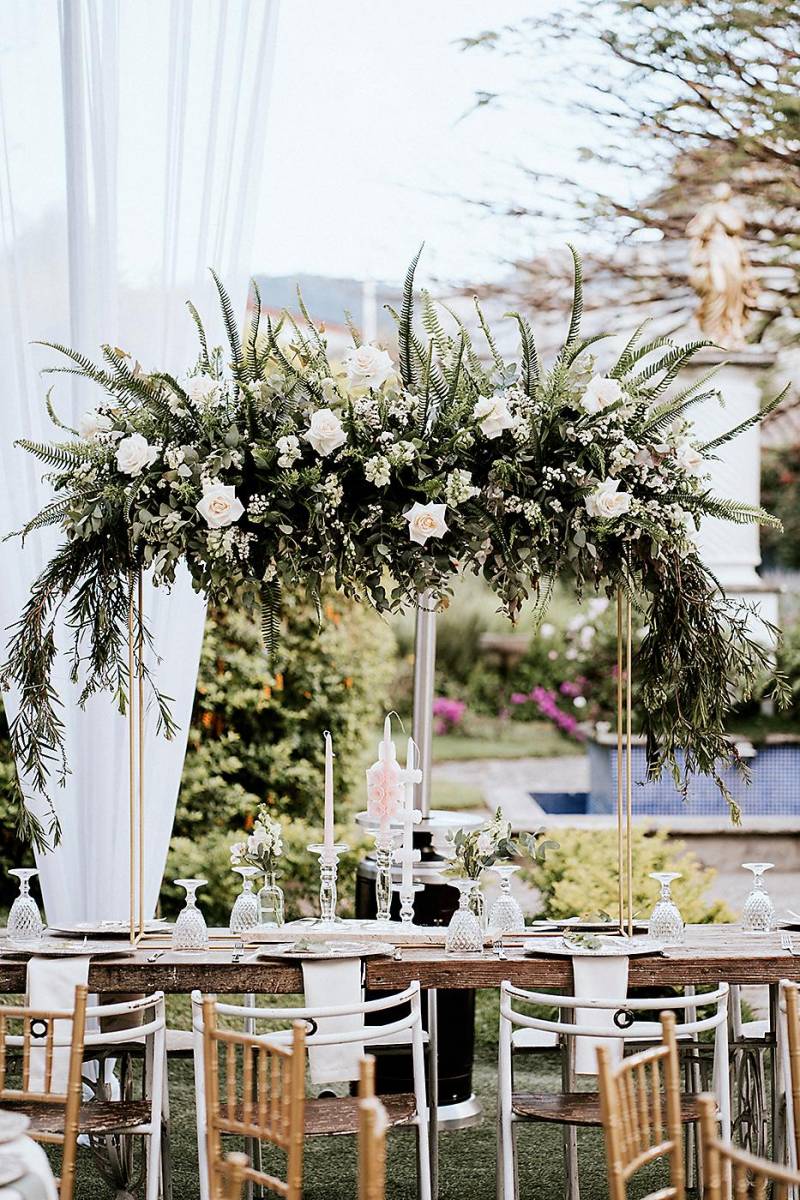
(132, 138)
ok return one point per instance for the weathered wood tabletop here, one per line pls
(712, 953)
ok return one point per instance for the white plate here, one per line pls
(613, 946)
(323, 950)
(59, 948)
(12, 1125)
(105, 929)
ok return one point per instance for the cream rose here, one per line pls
(492, 415)
(219, 506)
(606, 503)
(688, 458)
(425, 521)
(601, 392)
(325, 432)
(92, 423)
(367, 366)
(134, 453)
(202, 390)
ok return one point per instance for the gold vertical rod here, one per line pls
(140, 698)
(131, 764)
(628, 763)
(620, 844)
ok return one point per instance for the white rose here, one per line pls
(606, 503)
(688, 458)
(134, 453)
(600, 393)
(426, 520)
(325, 432)
(202, 390)
(367, 366)
(288, 448)
(92, 423)
(219, 506)
(492, 415)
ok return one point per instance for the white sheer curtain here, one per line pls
(132, 137)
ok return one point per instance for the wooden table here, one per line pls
(712, 954)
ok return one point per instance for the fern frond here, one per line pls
(404, 330)
(355, 332)
(51, 514)
(623, 363)
(530, 358)
(584, 345)
(62, 456)
(432, 325)
(735, 511)
(315, 332)
(53, 415)
(577, 302)
(201, 333)
(270, 594)
(487, 333)
(671, 364)
(251, 341)
(451, 395)
(659, 343)
(229, 320)
(769, 407)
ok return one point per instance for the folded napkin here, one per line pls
(38, 1182)
(328, 984)
(598, 978)
(51, 985)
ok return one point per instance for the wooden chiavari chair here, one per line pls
(233, 1176)
(30, 1040)
(790, 1020)
(372, 1125)
(640, 1105)
(729, 1171)
(263, 1099)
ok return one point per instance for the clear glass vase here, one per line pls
(505, 914)
(270, 902)
(477, 904)
(464, 933)
(758, 914)
(246, 911)
(666, 922)
(24, 920)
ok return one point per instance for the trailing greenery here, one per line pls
(271, 466)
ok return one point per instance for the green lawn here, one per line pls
(468, 1157)
(488, 737)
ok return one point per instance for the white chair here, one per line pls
(570, 1107)
(335, 1115)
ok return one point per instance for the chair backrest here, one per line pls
(262, 1096)
(791, 1007)
(640, 1106)
(624, 1008)
(40, 1034)
(372, 1125)
(751, 1177)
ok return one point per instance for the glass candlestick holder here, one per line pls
(328, 873)
(385, 843)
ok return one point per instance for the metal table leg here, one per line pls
(433, 1088)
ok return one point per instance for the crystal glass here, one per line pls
(758, 914)
(191, 931)
(505, 914)
(477, 904)
(464, 933)
(24, 919)
(328, 875)
(385, 843)
(666, 922)
(270, 903)
(245, 912)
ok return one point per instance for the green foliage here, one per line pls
(780, 492)
(578, 877)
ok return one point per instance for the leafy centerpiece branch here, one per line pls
(269, 464)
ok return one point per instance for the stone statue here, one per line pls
(720, 270)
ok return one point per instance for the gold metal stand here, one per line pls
(136, 756)
(624, 764)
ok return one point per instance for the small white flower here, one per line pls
(459, 487)
(377, 470)
(606, 503)
(134, 453)
(202, 390)
(288, 448)
(368, 366)
(644, 458)
(219, 506)
(485, 844)
(425, 521)
(688, 458)
(325, 432)
(492, 415)
(600, 393)
(330, 392)
(92, 423)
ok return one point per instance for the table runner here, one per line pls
(327, 985)
(51, 985)
(598, 978)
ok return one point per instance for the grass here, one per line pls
(489, 737)
(467, 1164)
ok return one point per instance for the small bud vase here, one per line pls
(270, 902)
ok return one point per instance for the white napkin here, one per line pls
(35, 1159)
(598, 978)
(329, 984)
(51, 985)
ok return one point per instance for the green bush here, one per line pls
(580, 877)
(780, 495)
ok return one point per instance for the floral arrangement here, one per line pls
(448, 714)
(474, 850)
(269, 463)
(263, 846)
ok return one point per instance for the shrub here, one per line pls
(579, 878)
